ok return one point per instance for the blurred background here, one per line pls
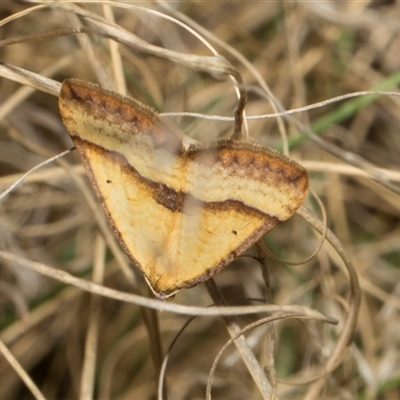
(306, 52)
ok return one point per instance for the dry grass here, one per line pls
(74, 343)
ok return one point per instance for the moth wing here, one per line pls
(236, 192)
(130, 157)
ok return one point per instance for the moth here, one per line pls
(181, 210)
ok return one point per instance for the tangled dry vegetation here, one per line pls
(63, 337)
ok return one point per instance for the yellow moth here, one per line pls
(182, 211)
